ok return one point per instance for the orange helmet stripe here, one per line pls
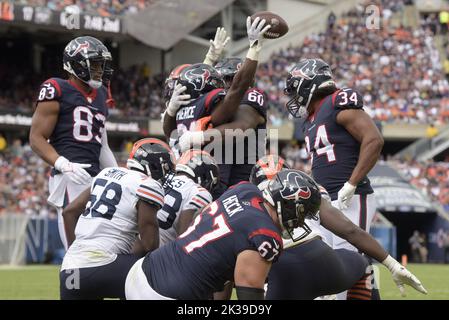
(140, 142)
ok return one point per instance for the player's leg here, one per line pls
(137, 286)
(313, 269)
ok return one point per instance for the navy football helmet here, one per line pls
(303, 80)
(88, 59)
(228, 68)
(296, 197)
(152, 157)
(199, 79)
(170, 82)
(201, 167)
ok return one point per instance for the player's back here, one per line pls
(334, 151)
(81, 121)
(203, 258)
(109, 223)
(181, 193)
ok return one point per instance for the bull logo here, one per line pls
(293, 189)
(307, 71)
(197, 80)
(73, 50)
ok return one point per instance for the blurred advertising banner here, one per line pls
(395, 194)
(70, 17)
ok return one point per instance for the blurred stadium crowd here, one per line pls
(398, 71)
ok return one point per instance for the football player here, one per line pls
(104, 222)
(308, 267)
(236, 237)
(200, 98)
(187, 193)
(343, 141)
(250, 115)
(68, 127)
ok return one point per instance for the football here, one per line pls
(279, 26)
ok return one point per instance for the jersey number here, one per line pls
(83, 121)
(47, 92)
(103, 199)
(255, 96)
(322, 139)
(220, 229)
(172, 204)
(344, 98)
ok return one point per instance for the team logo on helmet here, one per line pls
(198, 80)
(307, 71)
(73, 50)
(292, 188)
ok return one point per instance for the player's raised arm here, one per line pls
(244, 77)
(71, 214)
(335, 221)
(216, 46)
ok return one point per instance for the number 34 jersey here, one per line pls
(108, 226)
(81, 121)
(334, 151)
(181, 194)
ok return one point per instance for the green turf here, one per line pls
(41, 282)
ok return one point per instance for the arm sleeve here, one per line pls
(256, 99)
(267, 242)
(50, 90)
(348, 98)
(198, 199)
(151, 191)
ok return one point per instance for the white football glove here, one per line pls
(216, 46)
(402, 276)
(345, 195)
(191, 140)
(75, 171)
(177, 100)
(255, 31)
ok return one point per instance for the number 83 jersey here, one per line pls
(334, 151)
(81, 121)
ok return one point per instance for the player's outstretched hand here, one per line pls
(345, 195)
(255, 30)
(177, 100)
(217, 46)
(75, 171)
(402, 276)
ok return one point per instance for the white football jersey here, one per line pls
(182, 194)
(314, 225)
(109, 224)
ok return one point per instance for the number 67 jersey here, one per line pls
(81, 121)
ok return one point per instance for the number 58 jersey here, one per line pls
(81, 121)
(109, 224)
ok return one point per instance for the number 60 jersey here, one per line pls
(81, 121)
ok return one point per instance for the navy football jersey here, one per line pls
(334, 151)
(203, 258)
(81, 121)
(254, 146)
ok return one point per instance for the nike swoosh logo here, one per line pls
(311, 127)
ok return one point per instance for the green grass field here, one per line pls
(42, 282)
